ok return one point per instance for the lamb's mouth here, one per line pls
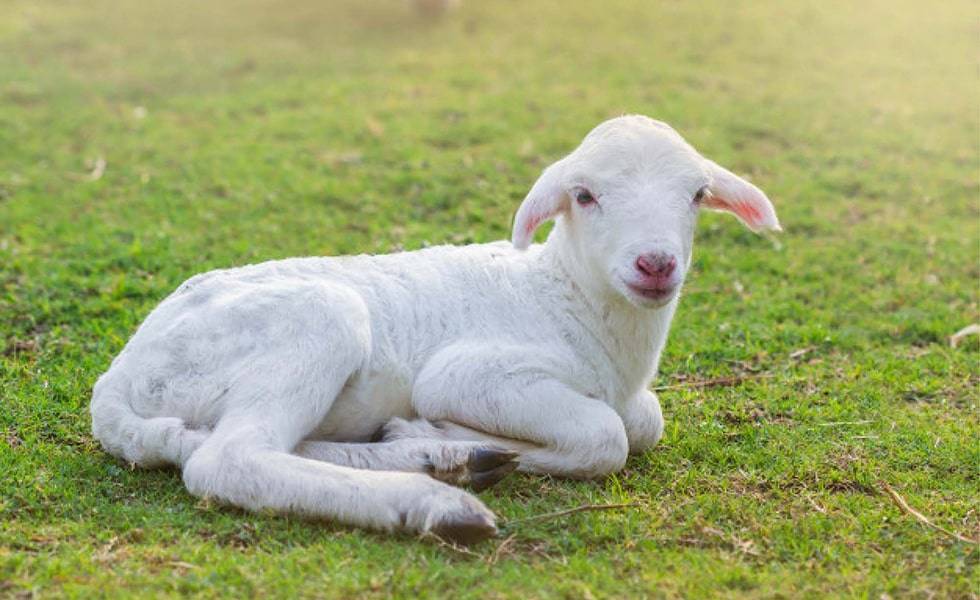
(654, 295)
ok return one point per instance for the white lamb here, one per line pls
(265, 383)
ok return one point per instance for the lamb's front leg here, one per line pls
(499, 391)
(643, 420)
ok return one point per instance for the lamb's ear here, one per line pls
(545, 200)
(731, 193)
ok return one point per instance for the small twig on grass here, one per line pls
(838, 423)
(450, 545)
(98, 170)
(800, 353)
(501, 548)
(816, 506)
(956, 338)
(570, 511)
(904, 506)
(740, 545)
(716, 382)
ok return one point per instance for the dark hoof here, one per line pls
(379, 435)
(486, 459)
(466, 531)
(482, 480)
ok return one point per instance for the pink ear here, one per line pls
(545, 200)
(731, 193)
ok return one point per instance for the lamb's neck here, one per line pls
(632, 336)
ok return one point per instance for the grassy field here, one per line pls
(143, 142)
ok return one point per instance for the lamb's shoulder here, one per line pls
(477, 282)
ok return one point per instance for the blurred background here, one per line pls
(224, 112)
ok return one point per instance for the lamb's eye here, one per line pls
(699, 195)
(584, 197)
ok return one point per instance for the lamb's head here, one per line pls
(627, 200)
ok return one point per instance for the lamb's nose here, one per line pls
(656, 265)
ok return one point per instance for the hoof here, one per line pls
(378, 435)
(479, 469)
(486, 459)
(466, 530)
(482, 480)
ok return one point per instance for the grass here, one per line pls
(233, 132)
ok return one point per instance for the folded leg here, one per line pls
(497, 390)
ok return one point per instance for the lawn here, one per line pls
(143, 142)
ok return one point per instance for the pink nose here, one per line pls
(656, 265)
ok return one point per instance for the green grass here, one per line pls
(235, 132)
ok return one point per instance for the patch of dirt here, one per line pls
(756, 415)
(17, 346)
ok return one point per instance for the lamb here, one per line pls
(266, 383)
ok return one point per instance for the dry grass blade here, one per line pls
(98, 167)
(716, 382)
(904, 506)
(737, 544)
(570, 511)
(816, 506)
(450, 545)
(956, 338)
(800, 353)
(502, 549)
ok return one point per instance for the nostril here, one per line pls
(656, 265)
(643, 265)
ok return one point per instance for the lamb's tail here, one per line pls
(146, 442)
